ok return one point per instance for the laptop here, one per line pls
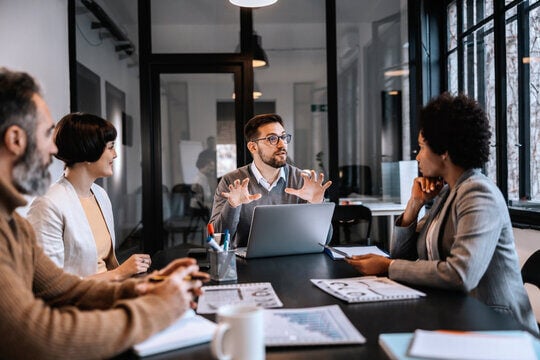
(287, 229)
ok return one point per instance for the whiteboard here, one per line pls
(189, 152)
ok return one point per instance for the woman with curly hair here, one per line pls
(465, 240)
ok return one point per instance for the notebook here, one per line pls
(188, 330)
(366, 289)
(287, 229)
(398, 345)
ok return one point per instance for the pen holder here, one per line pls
(222, 265)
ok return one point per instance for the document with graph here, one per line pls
(259, 294)
(366, 289)
(322, 325)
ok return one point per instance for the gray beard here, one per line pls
(30, 175)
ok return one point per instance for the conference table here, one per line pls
(290, 277)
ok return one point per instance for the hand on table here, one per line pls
(370, 264)
(313, 188)
(181, 279)
(135, 264)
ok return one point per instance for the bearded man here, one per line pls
(268, 180)
(46, 313)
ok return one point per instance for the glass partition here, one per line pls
(292, 34)
(108, 86)
(373, 96)
(198, 145)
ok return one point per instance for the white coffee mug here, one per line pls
(239, 334)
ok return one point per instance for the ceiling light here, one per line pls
(390, 73)
(259, 55)
(256, 92)
(252, 3)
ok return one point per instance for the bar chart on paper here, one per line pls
(324, 325)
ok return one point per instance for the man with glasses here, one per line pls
(268, 180)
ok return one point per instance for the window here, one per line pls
(471, 56)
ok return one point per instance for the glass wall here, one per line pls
(520, 86)
(293, 36)
(534, 72)
(512, 104)
(373, 96)
(198, 144)
(108, 86)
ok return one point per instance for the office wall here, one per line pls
(34, 38)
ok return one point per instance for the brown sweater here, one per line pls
(48, 314)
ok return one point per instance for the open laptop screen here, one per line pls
(288, 229)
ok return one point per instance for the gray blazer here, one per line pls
(476, 248)
(63, 230)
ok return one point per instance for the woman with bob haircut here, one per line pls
(465, 241)
(74, 219)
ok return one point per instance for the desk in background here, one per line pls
(378, 207)
(290, 277)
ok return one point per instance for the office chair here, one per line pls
(530, 272)
(184, 219)
(351, 217)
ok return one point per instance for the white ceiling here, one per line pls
(295, 56)
(202, 12)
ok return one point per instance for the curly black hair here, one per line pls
(459, 125)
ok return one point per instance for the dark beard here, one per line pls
(30, 175)
(272, 161)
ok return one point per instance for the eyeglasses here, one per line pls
(274, 139)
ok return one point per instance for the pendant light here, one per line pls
(252, 3)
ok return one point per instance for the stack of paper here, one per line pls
(353, 250)
(483, 345)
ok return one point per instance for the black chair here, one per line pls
(351, 217)
(185, 219)
(530, 272)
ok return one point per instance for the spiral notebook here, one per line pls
(366, 289)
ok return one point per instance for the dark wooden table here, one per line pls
(290, 277)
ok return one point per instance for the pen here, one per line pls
(213, 244)
(226, 240)
(342, 253)
(210, 228)
(159, 278)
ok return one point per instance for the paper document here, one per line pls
(354, 250)
(471, 346)
(189, 330)
(366, 288)
(259, 294)
(323, 325)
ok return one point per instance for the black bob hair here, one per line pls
(82, 137)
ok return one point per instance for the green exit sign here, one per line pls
(319, 108)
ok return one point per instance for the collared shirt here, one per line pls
(262, 181)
